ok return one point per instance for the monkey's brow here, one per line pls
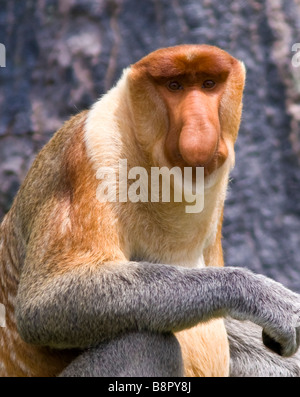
(219, 75)
(191, 77)
(172, 76)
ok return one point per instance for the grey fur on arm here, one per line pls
(82, 308)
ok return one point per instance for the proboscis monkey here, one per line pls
(137, 288)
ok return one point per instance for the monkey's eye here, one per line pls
(174, 86)
(208, 84)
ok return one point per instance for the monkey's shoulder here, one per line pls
(55, 168)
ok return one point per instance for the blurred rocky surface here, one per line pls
(62, 55)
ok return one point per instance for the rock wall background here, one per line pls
(62, 55)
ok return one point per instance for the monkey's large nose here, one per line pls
(200, 131)
(198, 145)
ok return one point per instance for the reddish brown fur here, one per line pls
(171, 62)
(39, 210)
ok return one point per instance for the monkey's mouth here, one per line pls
(214, 164)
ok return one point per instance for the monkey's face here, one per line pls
(192, 97)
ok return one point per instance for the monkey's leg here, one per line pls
(250, 358)
(141, 354)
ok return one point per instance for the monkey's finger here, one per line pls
(271, 343)
(283, 349)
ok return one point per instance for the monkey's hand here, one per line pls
(272, 306)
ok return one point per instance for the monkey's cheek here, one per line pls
(217, 162)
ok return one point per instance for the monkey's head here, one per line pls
(187, 103)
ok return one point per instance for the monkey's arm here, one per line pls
(86, 305)
(249, 357)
